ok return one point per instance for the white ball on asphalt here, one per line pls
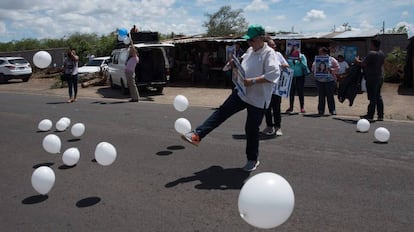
(266, 200)
(105, 153)
(78, 129)
(382, 134)
(43, 179)
(363, 125)
(71, 156)
(45, 125)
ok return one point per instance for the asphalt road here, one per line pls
(343, 180)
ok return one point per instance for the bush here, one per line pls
(394, 65)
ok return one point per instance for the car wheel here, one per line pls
(3, 79)
(159, 89)
(111, 82)
(26, 79)
(123, 88)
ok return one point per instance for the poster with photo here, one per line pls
(321, 67)
(238, 76)
(230, 50)
(282, 87)
(350, 52)
(293, 49)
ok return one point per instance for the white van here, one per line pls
(153, 69)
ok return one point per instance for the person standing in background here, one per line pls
(131, 62)
(273, 113)
(70, 66)
(326, 85)
(373, 66)
(300, 70)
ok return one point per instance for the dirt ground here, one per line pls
(397, 106)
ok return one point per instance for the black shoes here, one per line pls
(367, 118)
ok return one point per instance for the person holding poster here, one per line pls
(261, 71)
(300, 68)
(325, 68)
(273, 113)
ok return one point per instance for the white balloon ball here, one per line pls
(105, 153)
(126, 40)
(66, 120)
(42, 59)
(71, 156)
(43, 179)
(266, 200)
(382, 134)
(52, 144)
(363, 125)
(182, 126)
(61, 125)
(78, 129)
(180, 103)
(45, 125)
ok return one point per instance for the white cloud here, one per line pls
(366, 25)
(405, 14)
(314, 15)
(257, 5)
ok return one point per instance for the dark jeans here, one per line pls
(275, 108)
(72, 85)
(326, 91)
(375, 99)
(232, 105)
(298, 84)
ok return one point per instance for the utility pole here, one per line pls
(383, 27)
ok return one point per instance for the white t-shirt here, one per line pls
(258, 63)
(342, 67)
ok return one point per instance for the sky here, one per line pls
(51, 19)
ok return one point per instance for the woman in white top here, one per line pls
(132, 61)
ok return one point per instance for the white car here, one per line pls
(14, 68)
(153, 69)
(94, 65)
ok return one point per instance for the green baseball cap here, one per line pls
(253, 31)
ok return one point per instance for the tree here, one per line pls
(225, 22)
(402, 29)
(346, 27)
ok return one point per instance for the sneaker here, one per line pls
(192, 138)
(380, 119)
(302, 110)
(290, 110)
(333, 112)
(279, 132)
(270, 130)
(366, 117)
(251, 165)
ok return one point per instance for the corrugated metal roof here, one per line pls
(357, 34)
(284, 36)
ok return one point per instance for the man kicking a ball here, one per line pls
(261, 73)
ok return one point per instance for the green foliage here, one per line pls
(225, 22)
(394, 65)
(85, 44)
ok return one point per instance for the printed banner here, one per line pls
(321, 67)
(293, 49)
(238, 75)
(282, 87)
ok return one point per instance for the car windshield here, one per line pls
(18, 61)
(94, 63)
